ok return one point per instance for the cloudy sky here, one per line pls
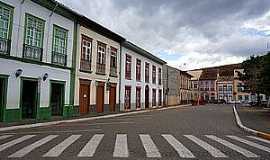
(187, 34)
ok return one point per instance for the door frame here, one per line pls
(4, 103)
(130, 89)
(113, 85)
(140, 90)
(63, 92)
(84, 82)
(37, 94)
(100, 84)
(148, 94)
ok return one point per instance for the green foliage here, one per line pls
(265, 85)
(257, 74)
(252, 74)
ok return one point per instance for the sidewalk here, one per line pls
(255, 118)
(35, 123)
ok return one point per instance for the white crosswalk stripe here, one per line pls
(121, 146)
(259, 139)
(212, 150)
(149, 146)
(33, 146)
(58, 149)
(234, 147)
(90, 148)
(14, 142)
(121, 149)
(261, 147)
(5, 136)
(182, 151)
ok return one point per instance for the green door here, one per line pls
(57, 98)
(29, 99)
(3, 94)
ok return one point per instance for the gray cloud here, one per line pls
(183, 27)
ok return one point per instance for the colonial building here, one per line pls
(141, 79)
(195, 84)
(36, 59)
(225, 83)
(97, 69)
(185, 87)
(240, 94)
(177, 85)
(207, 84)
(221, 83)
(172, 86)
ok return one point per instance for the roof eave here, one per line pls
(142, 52)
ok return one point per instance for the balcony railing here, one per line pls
(85, 65)
(4, 46)
(100, 68)
(59, 58)
(113, 71)
(33, 53)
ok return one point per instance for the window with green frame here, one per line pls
(33, 40)
(6, 16)
(59, 50)
(34, 31)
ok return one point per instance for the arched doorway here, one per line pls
(146, 96)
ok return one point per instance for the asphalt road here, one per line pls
(203, 132)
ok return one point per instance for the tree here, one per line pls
(265, 84)
(252, 76)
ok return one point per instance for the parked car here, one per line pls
(213, 101)
(222, 101)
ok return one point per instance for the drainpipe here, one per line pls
(167, 89)
(120, 76)
(18, 32)
(73, 68)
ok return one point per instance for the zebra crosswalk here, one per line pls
(151, 148)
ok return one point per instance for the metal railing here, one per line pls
(100, 68)
(33, 53)
(4, 46)
(85, 65)
(59, 58)
(113, 71)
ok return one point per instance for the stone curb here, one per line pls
(249, 130)
(86, 119)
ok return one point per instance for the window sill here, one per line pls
(58, 64)
(85, 71)
(25, 60)
(113, 75)
(98, 73)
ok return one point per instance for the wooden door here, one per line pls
(159, 97)
(146, 97)
(100, 97)
(138, 97)
(84, 96)
(112, 98)
(127, 97)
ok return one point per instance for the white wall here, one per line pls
(9, 67)
(133, 83)
(93, 76)
(31, 71)
(43, 13)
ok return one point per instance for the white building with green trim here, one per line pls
(37, 49)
